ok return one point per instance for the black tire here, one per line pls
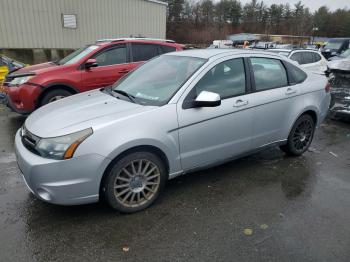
(300, 136)
(116, 175)
(55, 93)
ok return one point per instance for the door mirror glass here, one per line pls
(207, 99)
(91, 63)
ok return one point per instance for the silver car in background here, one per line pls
(177, 113)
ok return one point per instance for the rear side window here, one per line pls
(226, 79)
(297, 57)
(143, 52)
(268, 73)
(297, 75)
(308, 57)
(166, 49)
(113, 56)
(317, 57)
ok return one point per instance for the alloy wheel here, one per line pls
(136, 183)
(302, 135)
(55, 98)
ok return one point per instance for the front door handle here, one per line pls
(290, 91)
(240, 102)
(123, 71)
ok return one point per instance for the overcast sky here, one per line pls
(312, 4)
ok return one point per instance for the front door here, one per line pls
(211, 134)
(112, 65)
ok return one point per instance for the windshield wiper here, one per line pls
(123, 93)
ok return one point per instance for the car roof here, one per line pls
(210, 53)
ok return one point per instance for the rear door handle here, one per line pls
(240, 102)
(124, 71)
(290, 91)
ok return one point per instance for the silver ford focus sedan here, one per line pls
(177, 113)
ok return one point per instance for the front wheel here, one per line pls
(300, 136)
(135, 182)
(54, 95)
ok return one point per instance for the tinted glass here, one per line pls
(297, 57)
(226, 79)
(298, 76)
(167, 49)
(308, 57)
(112, 56)
(268, 73)
(317, 57)
(143, 52)
(155, 82)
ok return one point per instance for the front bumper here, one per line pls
(20, 99)
(64, 182)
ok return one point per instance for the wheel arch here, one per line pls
(309, 111)
(55, 86)
(144, 148)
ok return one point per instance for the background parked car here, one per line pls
(344, 55)
(308, 59)
(90, 67)
(8, 65)
(335, 46)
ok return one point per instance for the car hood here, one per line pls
(340, 64)
(36, 68)
(91, 109)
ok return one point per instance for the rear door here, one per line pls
(113, 63)
(273, 100)
(142, 52)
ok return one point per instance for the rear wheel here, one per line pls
(135, 182)
(300, 137)
(54, 95)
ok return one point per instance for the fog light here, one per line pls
(44, 194)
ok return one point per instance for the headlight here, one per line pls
(20, 80)
(62, 147)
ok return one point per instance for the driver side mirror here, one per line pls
(207, 99)
(91, 63)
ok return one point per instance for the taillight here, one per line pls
(328, 88)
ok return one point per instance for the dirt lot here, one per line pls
(266, 207)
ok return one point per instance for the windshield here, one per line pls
(77, 55)
(155, 82)
(345, 54)
(333, 45)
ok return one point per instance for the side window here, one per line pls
(226, 79)
(268, 73)
(308, 57)
(113, 56)
(143, 52)
(166, 49)
(298, 76)
(317, 57)
(297, 57)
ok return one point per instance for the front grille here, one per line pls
(29, 140)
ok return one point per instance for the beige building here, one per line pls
(69, 24)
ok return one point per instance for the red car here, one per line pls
(90, 67)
